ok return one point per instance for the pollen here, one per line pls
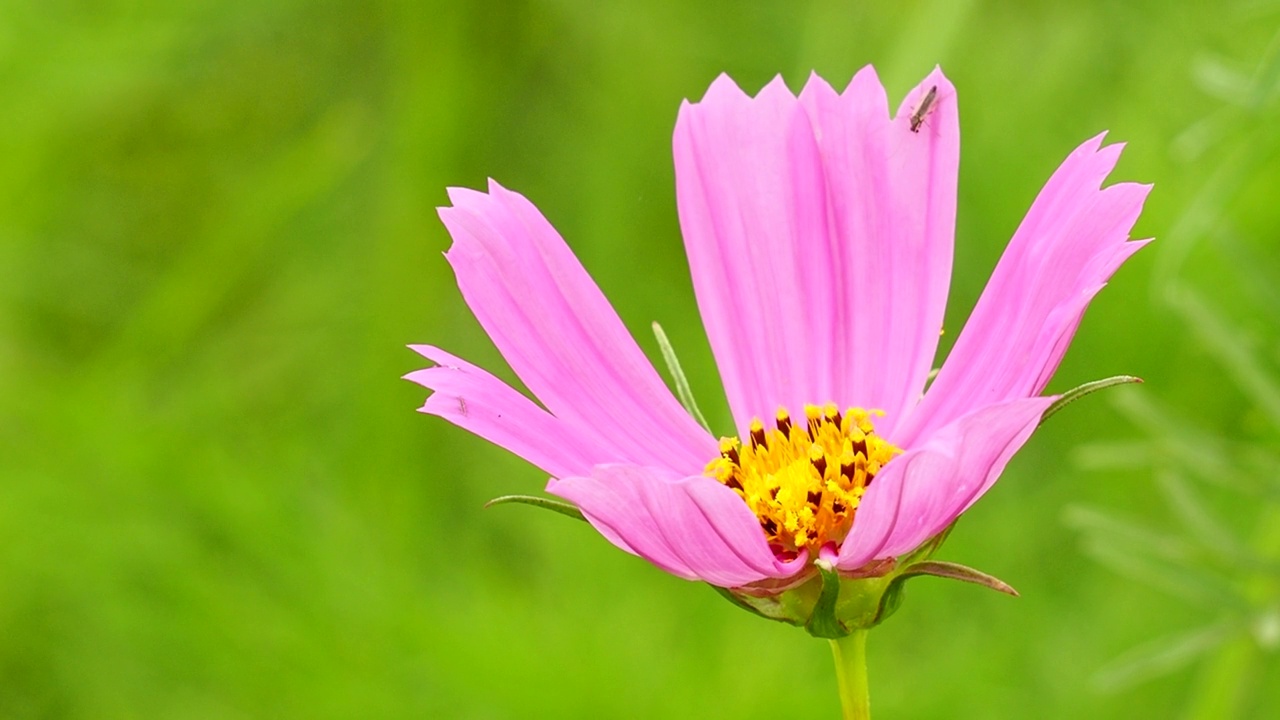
(804, 478)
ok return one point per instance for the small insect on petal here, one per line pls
(926, 105)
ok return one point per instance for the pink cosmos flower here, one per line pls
(819, 231)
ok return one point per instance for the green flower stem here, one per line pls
(851, 674)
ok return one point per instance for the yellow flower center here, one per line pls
(804, 480)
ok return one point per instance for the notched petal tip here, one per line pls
(427, 351)
(815, 80)
(461, 197)
(938, 78)
(776, 86)
(722, 89)
(866, 76)
(817, 91)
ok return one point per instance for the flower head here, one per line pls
(819, 231)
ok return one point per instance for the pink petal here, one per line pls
(892, 195)
(478, 402)
(1073, 239)
(692, 527)
(560, 335)
(753, 212)
(921, 492)
(819, 235)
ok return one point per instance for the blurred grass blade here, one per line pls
(1203, 214)
(1199, 137)
(683, 391)
(1215, 78)
(1207, 457)
(1252, 269)
(558, 506)
(1114, 455)
(1262, 463)
(1179, 579)
(1115, 532)
(1159, 657)
(1190, 509)
(1266, 79)
(1224, 342)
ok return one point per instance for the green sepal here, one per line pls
(956, 571)
(891, 600)
(892, 597)
(559, 506)
(832, 605)
(1076, 393)
(823, 622)
(728, 595)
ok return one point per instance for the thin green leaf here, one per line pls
(1076, 393)
(963, 573)
(683, 390)
(558, 506)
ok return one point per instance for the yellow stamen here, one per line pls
(804, 480)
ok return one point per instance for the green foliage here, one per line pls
(217, 235)
(1218, 483)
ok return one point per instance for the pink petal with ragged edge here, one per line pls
(892, 194)
(1073, 239)
(480, 403)
(558, 332)
(925, 489)
(692, 527)
(753, 214)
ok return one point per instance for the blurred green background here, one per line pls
(217, 233)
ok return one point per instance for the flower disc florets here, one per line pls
(804, 480)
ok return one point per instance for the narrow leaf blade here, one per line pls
(683, 390)
(1088, 388)
(558, 506)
